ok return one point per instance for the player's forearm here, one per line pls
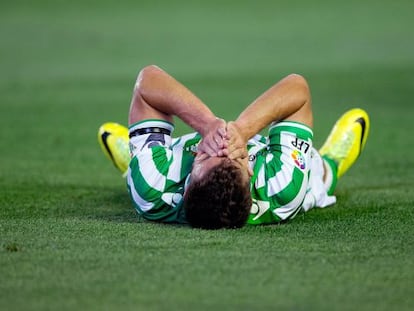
(277, 103)
(166, 94)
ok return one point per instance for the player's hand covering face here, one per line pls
(214, 142)
(237, 147)
(220, 142)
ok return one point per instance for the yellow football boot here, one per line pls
(347, 139)
(114, 141)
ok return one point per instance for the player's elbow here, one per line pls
(299, 81)
(300, 85)
(146, 74)
(149, 71)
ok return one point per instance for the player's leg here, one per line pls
(344, 144)
(114, 141)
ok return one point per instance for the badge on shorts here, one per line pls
(298, 159)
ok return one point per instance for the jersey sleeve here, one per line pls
(157, 174)
(281, 173)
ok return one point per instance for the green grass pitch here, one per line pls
(69, 237)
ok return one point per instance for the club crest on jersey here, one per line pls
(298, 159)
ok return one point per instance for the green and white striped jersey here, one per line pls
(160, 167)
(158, 171)
(281, 168)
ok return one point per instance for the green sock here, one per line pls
(332, 176)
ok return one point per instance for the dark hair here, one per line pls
(221, 199)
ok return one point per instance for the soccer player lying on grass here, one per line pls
(225, 175)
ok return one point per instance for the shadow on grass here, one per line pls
(114, 205)
(44, 200)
